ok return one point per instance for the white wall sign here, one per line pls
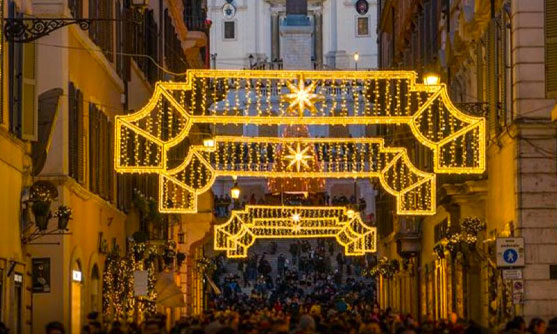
(510, 252)
(76, 276)
(140, 280)
(512, 274)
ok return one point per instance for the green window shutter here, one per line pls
(29, 117)
(551, 48)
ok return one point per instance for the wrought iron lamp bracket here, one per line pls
(25, 30)
(36, 234)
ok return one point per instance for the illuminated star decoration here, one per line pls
(298, 157)
(301, 97)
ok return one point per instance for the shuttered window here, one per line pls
(29, 106)
(100, 153)
(101, 32)
(551, 48)
(15, 66)
(76, 136)
(76, 8)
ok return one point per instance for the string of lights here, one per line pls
(145, 139)
(286, 222)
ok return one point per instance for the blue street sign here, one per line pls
(510, 256)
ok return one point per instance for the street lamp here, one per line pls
(209, 142)
(356, 58)
(235, 191)
(140, 4)
(431, 78)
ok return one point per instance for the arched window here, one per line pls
(95, 286)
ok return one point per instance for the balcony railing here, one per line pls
(197, 23)
(474, 108)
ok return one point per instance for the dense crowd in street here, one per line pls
(312, 318)
(312, 290)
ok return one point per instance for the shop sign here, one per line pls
(40, 274)
(512, 274)
(140, 281)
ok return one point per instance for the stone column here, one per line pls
(318, 16)
(275, 37)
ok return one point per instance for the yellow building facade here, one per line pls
(497, 62)
(59, 132)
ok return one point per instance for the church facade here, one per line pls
(247, 33)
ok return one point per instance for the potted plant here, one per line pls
(64, 214)
(42, 194)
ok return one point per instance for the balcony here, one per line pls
(197, 23)
(408, 238)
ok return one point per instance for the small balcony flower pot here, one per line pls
(63, 223)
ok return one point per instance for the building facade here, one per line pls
(247, 33)
(59, 98)
(496, 59)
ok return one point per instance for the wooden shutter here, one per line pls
(551, 48)
(29, 116)
(110, 160)
(93, 161)
(80, 138)
(72, 131)
(492, 77)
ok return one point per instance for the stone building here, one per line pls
(496, 59)
(60, 94)
(247, 33)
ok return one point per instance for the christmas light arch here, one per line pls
(286, 222)
(145, 140)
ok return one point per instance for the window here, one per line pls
(551, 49)
(100, 153)
(1, 293)
(22, 94)
(173, 54)
(229, 29)
(76, 8)
(101, 32)
(76, 149)
(123, 35)
(144, 40)
(18, 303)
(362, 28)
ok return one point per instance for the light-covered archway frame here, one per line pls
(149, 138)
(287, 222)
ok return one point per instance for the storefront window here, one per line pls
(18, 291)
(76, 286)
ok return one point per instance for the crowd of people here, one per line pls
(311, 319)
(314, 289)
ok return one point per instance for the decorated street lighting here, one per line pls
(431, 78)
(140, 4)
(209, 142)
(356, 59)
(235, 191)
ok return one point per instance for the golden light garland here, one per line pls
(414, 189)
(145, 139)
(287, 222)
